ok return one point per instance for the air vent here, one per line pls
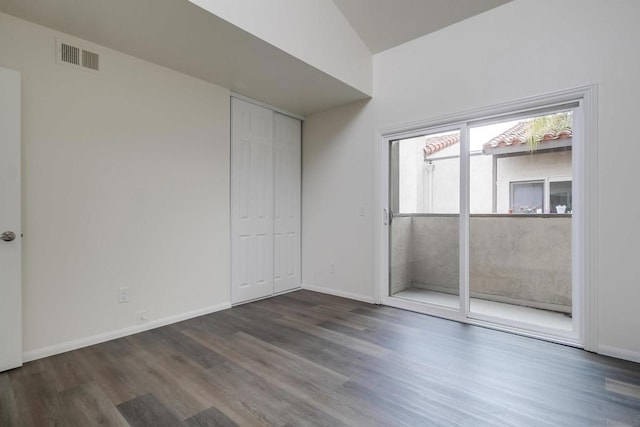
(69, 54)
(76, 56)
(90, 60)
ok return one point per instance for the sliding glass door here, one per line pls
(480, 222)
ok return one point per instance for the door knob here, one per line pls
(8, 236)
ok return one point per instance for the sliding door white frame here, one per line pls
(584, 232)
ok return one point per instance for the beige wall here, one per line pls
(125, 184)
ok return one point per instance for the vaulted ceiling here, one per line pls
(179, 35)
(383, 24)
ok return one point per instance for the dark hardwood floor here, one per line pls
(310, 359)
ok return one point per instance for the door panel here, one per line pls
(242, 179)
(424, 250)
(287, 158)
(10, 200)
(520, 249)
(251, 204)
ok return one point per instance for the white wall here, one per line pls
(337, 188)
(125, 184)
(411, 176)
(480, 186)
(521, 49)
(314, 31)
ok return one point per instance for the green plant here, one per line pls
(546, 125)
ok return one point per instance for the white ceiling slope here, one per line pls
(179, 35)
(383, 24)
(313, 31)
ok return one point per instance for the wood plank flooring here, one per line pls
(310, 359)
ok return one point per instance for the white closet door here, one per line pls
(251, 201)
(287, 160)
(10, 241)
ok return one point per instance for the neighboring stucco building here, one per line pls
(526, 180)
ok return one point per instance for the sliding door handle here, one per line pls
(8, 236)
(387, 217)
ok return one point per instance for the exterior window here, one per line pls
(559, 196)
(527, 196)
(531, 197)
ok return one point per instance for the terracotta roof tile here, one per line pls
(437, 143)
(512, 137)
(517, 135)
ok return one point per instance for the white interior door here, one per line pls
(287, 153)
(251, 201)
(10, 230)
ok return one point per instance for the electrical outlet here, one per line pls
(332, 268)
(141, 317)
(123, 295)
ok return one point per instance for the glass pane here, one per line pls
(527, 197)
(429, 174)
(520, 265)
(425, 198)
(560, 197)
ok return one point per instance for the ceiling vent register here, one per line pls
(77, 57)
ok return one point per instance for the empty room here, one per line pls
(319, 212)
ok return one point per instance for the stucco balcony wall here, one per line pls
(518, 259)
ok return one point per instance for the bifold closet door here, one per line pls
(287, 188)
(251, 201)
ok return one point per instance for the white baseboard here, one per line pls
(337, 293)
(236, 304)
(619, 353)
(287, 291)
(39, 353)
